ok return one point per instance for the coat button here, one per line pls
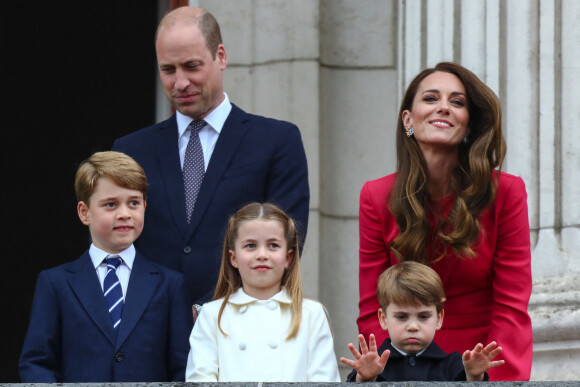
(187, 249)
(272, 305)
(243, 308)
(242, 346)
(119, 357)
(412, 361)
(273, 345)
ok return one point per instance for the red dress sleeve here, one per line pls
(511, 326)
(374, 253)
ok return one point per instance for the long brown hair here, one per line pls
(230, 280)
(410, 202)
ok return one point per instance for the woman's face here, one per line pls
(439, 116)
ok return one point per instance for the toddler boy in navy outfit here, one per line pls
(75, 334)
(411, 297)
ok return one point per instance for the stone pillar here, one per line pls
(272, 50)
(358, 113)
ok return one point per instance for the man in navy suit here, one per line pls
(247, 158)
(92, 323)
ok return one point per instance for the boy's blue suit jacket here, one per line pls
(71, 339)
(255, 159)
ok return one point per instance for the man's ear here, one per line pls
(221, 57)
(83, 211)
(233, 261)
(383, 319)
(440, 319)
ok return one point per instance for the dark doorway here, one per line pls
(74, 75)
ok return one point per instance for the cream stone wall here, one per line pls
(337, 68)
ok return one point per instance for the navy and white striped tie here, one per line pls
(113, 290)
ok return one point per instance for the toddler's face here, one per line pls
(411, 327)
(261, 255)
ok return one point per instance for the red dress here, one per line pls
(487, 296)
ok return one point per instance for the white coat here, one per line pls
(255, 348)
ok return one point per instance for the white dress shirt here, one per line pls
(255, 348)
(208, 135)
(124, 269)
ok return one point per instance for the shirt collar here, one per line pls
(241, 298)
(215, 119)
(405, 353)
(98, 255)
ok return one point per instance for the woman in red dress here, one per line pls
(450, 207)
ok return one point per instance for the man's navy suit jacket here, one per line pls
(71, 338)
(255, 159)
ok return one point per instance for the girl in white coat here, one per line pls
(259, 328)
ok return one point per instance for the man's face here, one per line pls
(192, 79)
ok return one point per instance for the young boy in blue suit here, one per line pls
(94, 321)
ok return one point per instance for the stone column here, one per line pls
(358, 112)
(272, 50)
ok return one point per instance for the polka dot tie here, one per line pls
(193, 167)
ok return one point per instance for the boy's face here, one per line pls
(115, 216)
(411, 327)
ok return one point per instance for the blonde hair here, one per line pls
(120, 168)
(230, 280)
(410, 283)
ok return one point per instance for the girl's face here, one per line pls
(261, 255)
(439, 116)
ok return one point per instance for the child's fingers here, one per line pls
(496, 363)
(478, 347)
(495, 352)
(490, 346)
(384, 357)
(354, 351)
(372, 343)
(466, 356)
(348, 362)
(363, 344)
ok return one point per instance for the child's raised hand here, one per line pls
(368, 363)
(479, 360)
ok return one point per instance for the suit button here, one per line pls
(187, 249)
(119, 357)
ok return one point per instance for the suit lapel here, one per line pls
(143, 282)
(232, 133)
(85, 284)
(166, 144)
